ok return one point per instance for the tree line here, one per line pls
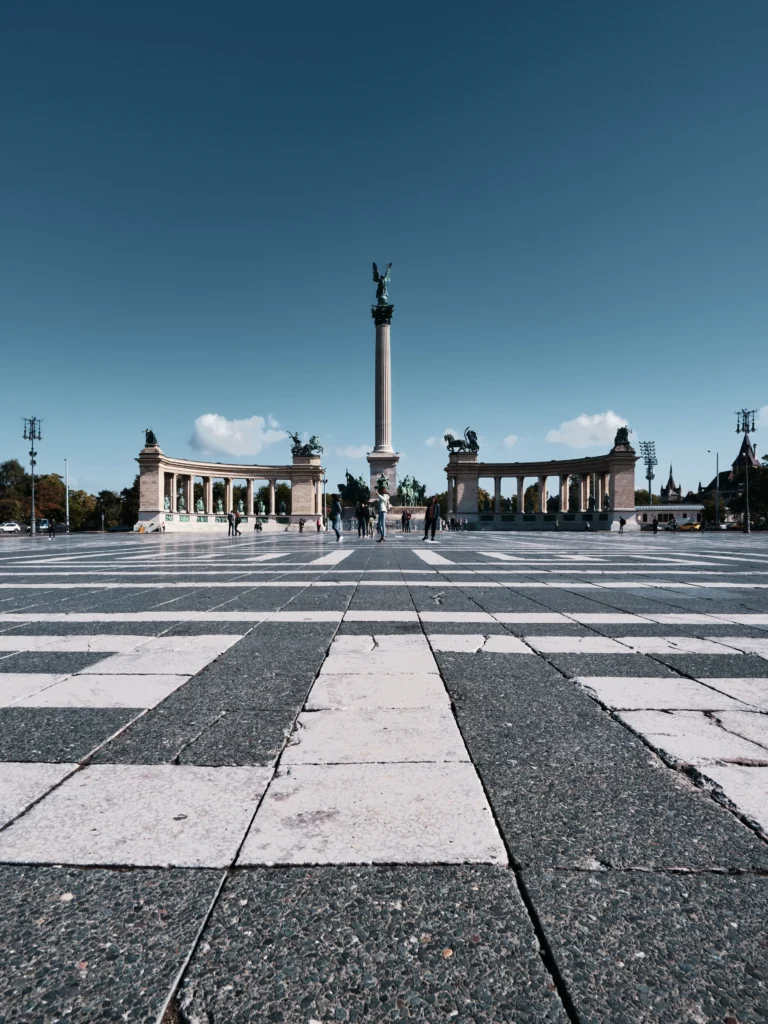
(85, 510)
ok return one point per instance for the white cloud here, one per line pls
(272, 422)
(762, 416)
(431, 442)
(353, 452)
(588, 431)
(510, 440)
(215, 433)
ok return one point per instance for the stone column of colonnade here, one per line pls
(521, 494)
(208, 495)
(249, 496)
(542, 494)
(227, 494)
(497, 494)
(564, 492)
(271, 497)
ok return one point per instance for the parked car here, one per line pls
(689, 527)
(41, 526)
(10, 527)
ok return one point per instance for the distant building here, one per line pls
(671, 493)
(727, 479)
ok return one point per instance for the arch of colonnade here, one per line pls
(606, 489)
(167, 490)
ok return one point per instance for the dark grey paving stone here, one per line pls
(57, 734)
(437, 599)
(702, 940)
(466, 628)
(109, 952)
(382, 955)
(241, 737)
(484, 677)
(263, 687)
(320, 599)
(548, 629)
(573, 665)
(391, 599)
(159, 736)
(206, 628)
(735, 666)
(641, 815)
(50, 661)
(371, 628)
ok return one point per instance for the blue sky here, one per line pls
(572, 195)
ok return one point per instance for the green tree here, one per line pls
(130, 503)
(482, 497)
(641, 498)
(531, 498)
(108, 503)
(82, 508)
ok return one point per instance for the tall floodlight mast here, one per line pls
(32, 433)
(648, 455)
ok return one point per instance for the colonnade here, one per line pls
(591, 485)
(181, 485)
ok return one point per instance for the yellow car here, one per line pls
(689, 527)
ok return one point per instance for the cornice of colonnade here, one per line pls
(462, 465)
(154, 456)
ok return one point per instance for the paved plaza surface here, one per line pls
(501, 778)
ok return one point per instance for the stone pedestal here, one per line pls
(306, 470)
(386, 464)
(463, 468)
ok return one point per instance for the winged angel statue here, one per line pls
(382, 280)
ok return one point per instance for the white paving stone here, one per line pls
(16, 685)
(674, 645)
(377, 616)
(107, 691)
(745, 787)
(606, 618)
(692, 737)
(432, 557)
(166, 656)
(21, 783)
(752, 691)
(332, 558)
(747, 644)
(357, 692)
(139, 815)
(456, 616)
(543, 618)
(637, 692)
(393, 661)
(461, 643)
(353, 737)
(505, 645)
(576, 645)
(374, 813)
(752, 725)
(116, 643)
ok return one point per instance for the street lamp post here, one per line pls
(717, 486)
(648, 454)
(745, 421)
(32, 433)
(66, 490)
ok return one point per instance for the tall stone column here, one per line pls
(249, 497)
(497, 494)
(271, 497)
(227, 494)
(174, 495)
(208, 495)
(383, 459)
(542, 494)
(521, 494)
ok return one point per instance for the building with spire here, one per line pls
(671, 493)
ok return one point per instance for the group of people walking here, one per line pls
(375, 512)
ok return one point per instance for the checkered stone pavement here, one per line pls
(501, 778)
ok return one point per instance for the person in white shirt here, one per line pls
(383, 507)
